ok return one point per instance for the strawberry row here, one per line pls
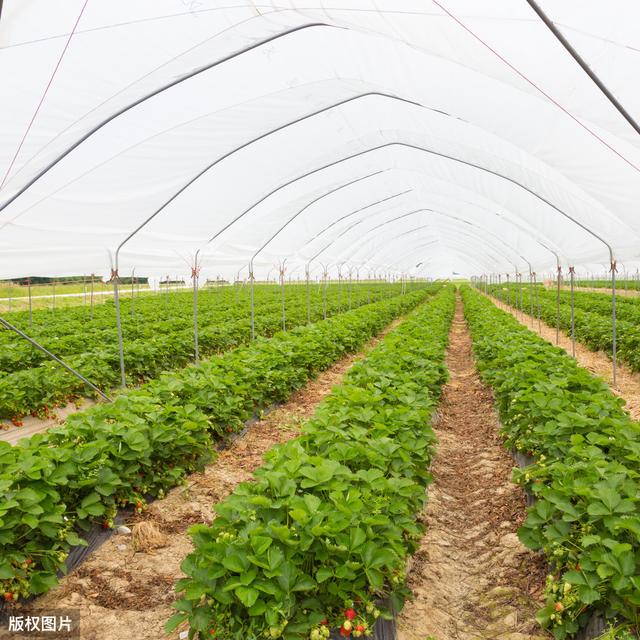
(591, 318)
(70, 331)
(586, 475)
(58, 483)
(34, 390)
(323, 533)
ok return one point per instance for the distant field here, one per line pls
(16, 297)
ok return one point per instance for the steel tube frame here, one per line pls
(585, 67)
(345, 159)
(573, 318)
(287, 223)
(195, 272)
(61, 362)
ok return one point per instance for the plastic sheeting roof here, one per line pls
(376, 134)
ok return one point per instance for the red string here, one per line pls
(535, 86)
(26, 133)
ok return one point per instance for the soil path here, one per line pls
(471, 577)
(125, 589)
(599, 363)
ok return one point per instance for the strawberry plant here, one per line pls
(157, 340)
(323, 532)
(56, 484)
(585, 477)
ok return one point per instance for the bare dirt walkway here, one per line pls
(472, 578)
(627, 384)
(125, 589)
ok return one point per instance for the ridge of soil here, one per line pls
(122, 592)
(471, 577)
(598, 363)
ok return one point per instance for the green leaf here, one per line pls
(235, 562)
(247, 595)
(323, 573)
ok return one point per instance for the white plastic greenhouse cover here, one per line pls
(456, 135)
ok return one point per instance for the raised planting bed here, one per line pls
(56, 485)
(322, 535)
(585, 476)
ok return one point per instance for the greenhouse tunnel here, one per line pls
(240, 142)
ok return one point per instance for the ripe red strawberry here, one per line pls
(325, 622)
(360, 628)
(344, 632)
(559, 606)
(8, 596)
(349, 613)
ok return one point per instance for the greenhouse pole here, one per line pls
(537, 303)
(613, 319)
(531, 296)
(30, 304)
(251, 301)
(116, 299)
(38, 346)
(559, 271)
(306, 274)
(339, 288)
(195, 271)
(91, 298)
(573, 323)
(282, 283)
(350, 275)
(508, 291)
(133, 273)
(325, 275)
(500, 288)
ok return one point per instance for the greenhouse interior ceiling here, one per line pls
(419, 137)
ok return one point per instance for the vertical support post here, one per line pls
(531, 296)
(166, 293)
(508, 291)
(306, 275)
(537, 303)
(251, 299)
(91, 298)
(282, 281)
(116, 298)
(614, 269)
(133, 272)
(350, 273)
(324, 311)
(194, 275)
(30, 304)
(558, 304)
(500, 287)
(573, 322)
(520, 295)
(339, 289)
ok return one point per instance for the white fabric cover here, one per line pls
(466, 140)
